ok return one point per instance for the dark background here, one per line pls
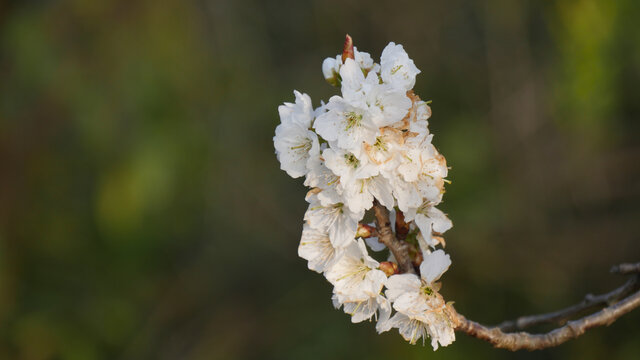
(143, 214)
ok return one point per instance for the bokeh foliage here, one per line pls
(143, 214)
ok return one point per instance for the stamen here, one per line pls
(352, 160)
(395, 69)
(353, 120)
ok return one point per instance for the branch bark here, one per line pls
(589, 303)
(523, 340)
(616, 303)
(399, 249)
(626, 269)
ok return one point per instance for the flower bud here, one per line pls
(331, 70)
(365, 231)
(389, 268)
(347, 51)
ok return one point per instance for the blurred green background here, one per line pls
(143, 214)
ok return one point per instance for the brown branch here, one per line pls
(589, 303)
(402, 228)
(626, 269)
(523, 340)
(399, 249)
(618, 302)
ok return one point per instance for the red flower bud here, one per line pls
(347, 51)
(389, 267)
(365, 231)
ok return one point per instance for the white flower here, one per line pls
(421, 309)
(337, 220)
(365, 106)
(331, 69)
(295, 144)
(419, 123)
(316, 248)
(322, 178)
(410, 329)
(353, 81)
(407, 194)
(377, 306)
(386, 151)
(359, 194)
(411, 164)
(363, 59)
(434, 166)
(418, 158)
(371, 142)
(397, 69)
(331, 65)
(421, 177)
(386, 104)
(348, 123)
(349, 119)
(355, 276)
(349, 166)
(301, 112)
(440, 328)
(433, 266)
(417, 118)
(431, 189)
(429, 219)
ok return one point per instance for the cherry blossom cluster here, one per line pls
(371, 146)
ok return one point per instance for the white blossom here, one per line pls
(429, 219)
(337, 220)
(295, 144)
(354, 81)
(349, 165)
(396, 68)
(365, 106)
(348, 123)
(407, 194)
(433, 266)
(384, 103)
(355, 276)
(419, 122)
(316, 248)
(320, 177)
(301, 112)
(331, 69)
(377, 306)
(419, 159)
(364, 60)
(421, 309)
(371, 142)
(359, 194)
(411, 329)
(331, 65)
